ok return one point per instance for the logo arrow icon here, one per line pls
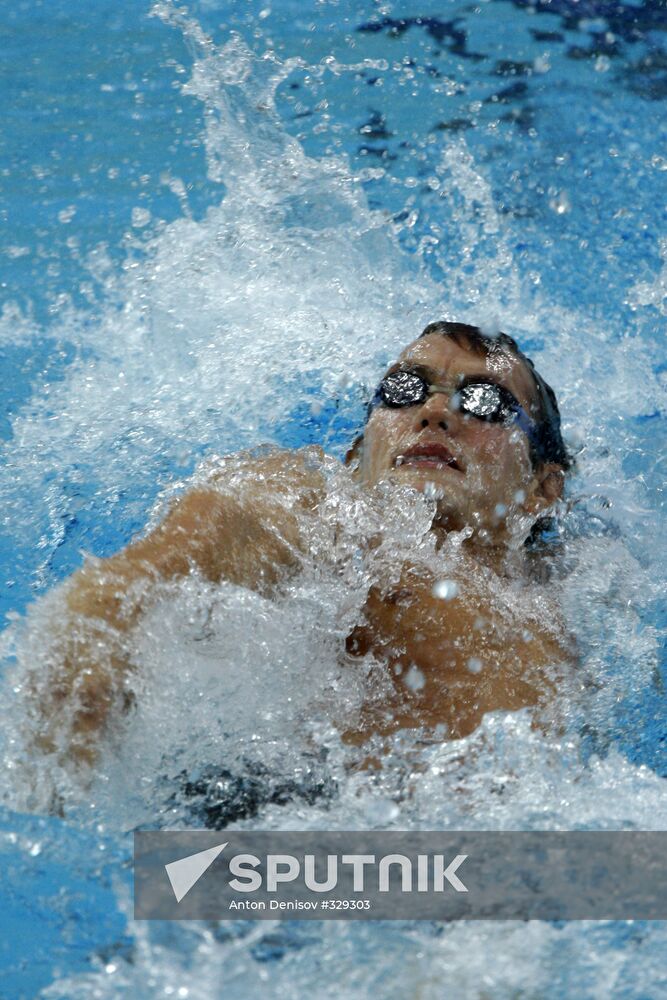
(186, 871)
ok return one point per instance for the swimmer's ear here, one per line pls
(353, 455)
(546, 487)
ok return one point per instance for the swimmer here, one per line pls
(461, 417)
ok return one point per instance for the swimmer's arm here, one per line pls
(244, 527)
(251, 538)
(221, 537)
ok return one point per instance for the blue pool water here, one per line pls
(202, 206)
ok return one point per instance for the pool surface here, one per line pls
(219, 221)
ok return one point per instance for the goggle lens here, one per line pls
(403, 389)
(484, 401)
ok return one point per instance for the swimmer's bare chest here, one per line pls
(450, 661)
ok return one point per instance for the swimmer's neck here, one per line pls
(494, 553)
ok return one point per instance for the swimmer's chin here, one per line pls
(443, 492)
(434, 481)
(416, 480)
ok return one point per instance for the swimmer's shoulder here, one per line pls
(274, 476)
(240, 518)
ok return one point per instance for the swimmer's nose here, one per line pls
(437, 413)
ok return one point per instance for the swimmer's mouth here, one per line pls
(428, 456)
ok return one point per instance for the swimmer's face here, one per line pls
(480, 472)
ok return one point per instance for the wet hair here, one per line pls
(548, 445)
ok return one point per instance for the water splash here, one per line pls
(213, 338)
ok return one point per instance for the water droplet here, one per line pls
(382, 811)
(67, 214)
(560, 204)
(432, 491)
(445, 589)
(415, 679)
(140, 217)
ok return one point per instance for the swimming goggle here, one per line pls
(486, 401)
